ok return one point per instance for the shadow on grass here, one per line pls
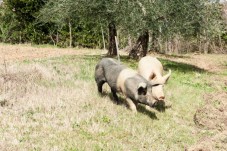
(92, 57)
(161, 106)
(182, 67)
(174, 66)
(133, 63)
(175, 56)
(167, 64)
(140, 108)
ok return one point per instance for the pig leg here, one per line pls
(99, 85)
(115, 96)
(145, 102)
(132, 105)
(99, 77)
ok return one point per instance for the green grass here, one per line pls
(65, 112)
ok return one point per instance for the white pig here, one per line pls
(152, 70)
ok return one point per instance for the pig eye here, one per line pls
(142, 91)
(155, 85)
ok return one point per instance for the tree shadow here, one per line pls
(167, 64)
(161, 106)
(140, 108)
(105, 93)
(181, 67)
(174, 56)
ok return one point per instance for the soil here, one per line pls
(212, 116)
(216, 143)
(209, 62)
(217, 105)
(10, 53)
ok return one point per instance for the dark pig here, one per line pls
(134, 87)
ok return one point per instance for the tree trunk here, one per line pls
(129, 41)
(20, 38)
(103, 39)
(52, 38)
(70, 35)
(141, 46)
(154, 42)
(57, 38)
(206, 47)
(112, 43)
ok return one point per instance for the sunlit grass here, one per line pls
(63, 111)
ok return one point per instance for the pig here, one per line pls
(152, 70)
(122, 79)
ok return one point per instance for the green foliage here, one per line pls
(87, 35)
(24, 10)
(19, 16)
(59, 22)
(7, 24)
(224, 37)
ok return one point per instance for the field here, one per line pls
(49, 101)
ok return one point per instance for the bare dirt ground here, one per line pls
(26, 52)
(212, 63)
(208, 62)
(212, 116)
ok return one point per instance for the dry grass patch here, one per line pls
(212, 116)
(53, 104)
(211, 62)
(217, 105)
(22, 52)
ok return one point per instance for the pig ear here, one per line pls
(142, 88)
(152, 76)
(166, 77)
(155, 82)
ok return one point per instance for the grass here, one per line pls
(60, 109)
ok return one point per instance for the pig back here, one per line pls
(109, 69)
(148, 66)
(123, 76)
(112, 73)
(102, 68)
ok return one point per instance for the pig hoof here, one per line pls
(148, 107)
(134, 111)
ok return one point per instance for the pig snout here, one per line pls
(161, 98)
(158, 93)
